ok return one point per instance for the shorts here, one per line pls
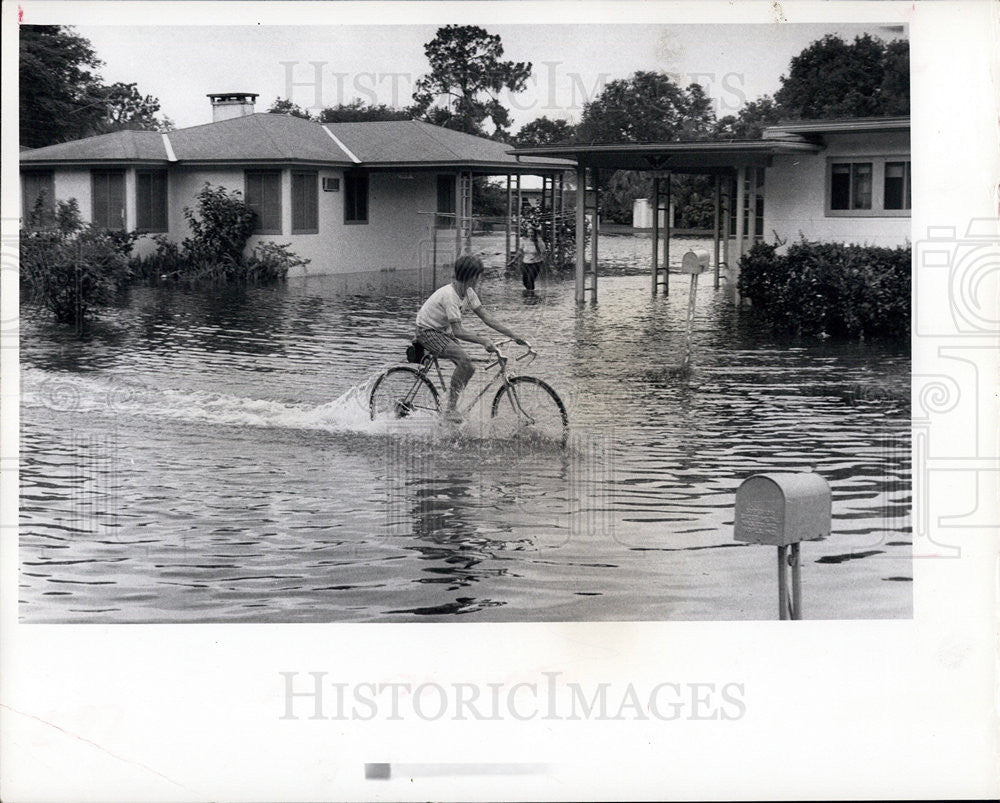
(436, 342)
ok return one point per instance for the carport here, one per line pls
(739, 162)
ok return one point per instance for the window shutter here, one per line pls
(158, 202)
(272, 202)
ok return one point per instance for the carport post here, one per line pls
(715, 227)
(581, 228)
(741, 177)
(434, 250)
(557, 246)
(595, 173)
(726, 213)
(517, 232)
(458, 214)
(656, 234)
(666, 234)
(510, 200)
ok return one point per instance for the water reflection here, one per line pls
(240, 481)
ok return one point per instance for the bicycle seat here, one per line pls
(415, 352)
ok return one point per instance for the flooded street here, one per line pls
(207, 456)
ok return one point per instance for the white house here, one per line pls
(357, 199)
(843, 181)
(855, 188)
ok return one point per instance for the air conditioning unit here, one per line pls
(331, 184)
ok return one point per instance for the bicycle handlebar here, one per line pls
(530, 352)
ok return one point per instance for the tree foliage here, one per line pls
(751, 120)
(647, 107)
(467, 75)
(127, 108)
(831, 78)
(285, 106)
(543, 131)
(58, 85)
(62, 96)
(359, 112)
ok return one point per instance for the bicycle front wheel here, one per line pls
(528, 406)
(403, 392)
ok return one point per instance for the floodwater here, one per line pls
(206, 456)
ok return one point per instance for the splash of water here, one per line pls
(97, 394)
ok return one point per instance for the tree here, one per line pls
(751, 120)
(647, 107)
(126, 107)
(832, 78)
(59, 92)
(467, 75)
(359, 112)
(285, 106)
(544, 131)
(894, 92)
(61, 96)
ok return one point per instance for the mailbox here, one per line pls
(695, 261)
(782, 509)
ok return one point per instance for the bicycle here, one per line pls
(522, 403)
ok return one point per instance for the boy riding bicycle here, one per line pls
(439, 325)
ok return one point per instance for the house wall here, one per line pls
(394, 247)
(796, 191)
(394, 239)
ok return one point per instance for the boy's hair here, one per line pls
(468, 267)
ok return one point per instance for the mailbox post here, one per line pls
(783, 509)
(694, 262)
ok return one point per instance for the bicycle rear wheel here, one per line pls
(403, 392)
(528, 406)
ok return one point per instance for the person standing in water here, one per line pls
(532, 260)
(439, 326)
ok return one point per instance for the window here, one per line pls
(38, 195)
(851, 185)
(151, 200)
(355, 198)
(305, 195)
(446, 194)
(878, 186)
(897, 185)
(108, 198)
(263, 196)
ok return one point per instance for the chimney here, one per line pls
(227, 105)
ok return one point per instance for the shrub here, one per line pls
(829, 289)
(71, 268)
(221, 228)
(215, 251)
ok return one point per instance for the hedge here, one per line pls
(829, 289)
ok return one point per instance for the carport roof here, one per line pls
(675, 157)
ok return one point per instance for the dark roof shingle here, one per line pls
(264, 137)
(412, 142)
(118, 146)
(257, 137)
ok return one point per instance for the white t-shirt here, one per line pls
(445, 308)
